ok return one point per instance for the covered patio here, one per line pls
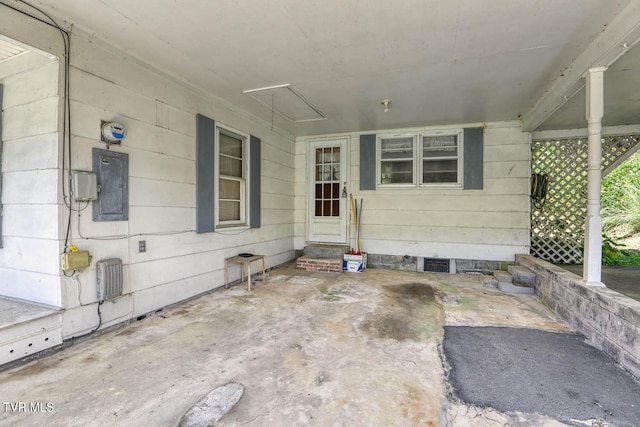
(249, 128)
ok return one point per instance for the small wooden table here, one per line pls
(242, 260)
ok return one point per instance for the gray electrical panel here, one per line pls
(112, 171)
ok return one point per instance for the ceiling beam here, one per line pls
(619, 36)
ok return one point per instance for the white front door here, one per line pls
(327, 208)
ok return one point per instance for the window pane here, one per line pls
(397, 148)
(440, 146)
(230, 145)
(439, 171)
(230, 166)
(229, 189)
(335, 209)
(318, 207)
(397, 172)
(229, 210)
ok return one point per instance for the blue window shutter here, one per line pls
(205, 177)
(254, 181)
(368, 162)
(473, 158)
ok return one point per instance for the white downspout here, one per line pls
(592, 270)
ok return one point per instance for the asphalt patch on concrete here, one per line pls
(533, 371)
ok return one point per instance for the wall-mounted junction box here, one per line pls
(75, 260)
(84, 186)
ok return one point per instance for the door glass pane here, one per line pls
(335, 172)
(328, 193)
(326, 208)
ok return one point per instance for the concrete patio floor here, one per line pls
(310, 349)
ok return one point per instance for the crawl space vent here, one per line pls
(109, 278)
(436, 265)
(287, 102)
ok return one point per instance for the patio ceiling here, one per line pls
(438, 61)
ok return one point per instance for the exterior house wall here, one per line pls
(29, 259)
(159, 112)
(487, 224)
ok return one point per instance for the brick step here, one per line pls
(325, 251)
(325, 265)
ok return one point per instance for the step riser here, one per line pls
(503, 277)
(522, 275)
(515, 289)
(332, 251)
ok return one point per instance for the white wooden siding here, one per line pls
(29, 259)
(492, 223)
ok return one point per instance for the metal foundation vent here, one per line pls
(109, 280)
(436, 265)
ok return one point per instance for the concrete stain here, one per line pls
(412, 291)
(34, 368)
(388, 327)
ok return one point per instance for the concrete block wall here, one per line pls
(609, 320)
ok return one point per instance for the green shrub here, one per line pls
(621, 199)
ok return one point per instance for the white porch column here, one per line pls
(592, 271)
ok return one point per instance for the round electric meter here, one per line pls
(113, 132)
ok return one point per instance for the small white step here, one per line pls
(26, 329)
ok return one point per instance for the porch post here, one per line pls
(592, 270)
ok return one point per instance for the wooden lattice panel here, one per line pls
(557, 230)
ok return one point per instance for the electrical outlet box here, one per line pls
(142, 246)
(84, 186)
(75, 260)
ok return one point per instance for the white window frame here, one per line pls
(243, 222)
(379, 160)
(418, 159)
(458, 133)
